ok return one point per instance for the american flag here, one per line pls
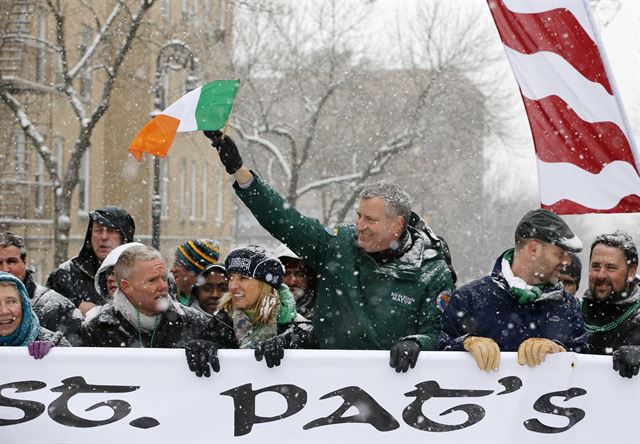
(587, 159)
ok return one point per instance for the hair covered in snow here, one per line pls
(619, 239)
(397, 202)
(129, 257)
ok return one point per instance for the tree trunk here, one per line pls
(61, 225)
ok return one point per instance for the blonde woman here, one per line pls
(258, 309)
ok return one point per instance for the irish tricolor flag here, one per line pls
(205, 108)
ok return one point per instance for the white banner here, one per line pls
(86, 395)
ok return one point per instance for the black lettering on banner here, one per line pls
(511, 384)
(31, 409)
(544, 405)
(59, 410)
(244, 401)
(369, 411)
(414, 417)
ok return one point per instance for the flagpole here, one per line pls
(226, 124)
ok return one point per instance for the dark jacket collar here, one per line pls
(30, 284)
(403, 245)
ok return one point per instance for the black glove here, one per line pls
(272, 350)
(227, 150)
(626, 360)
(201, 354)
(404, 354)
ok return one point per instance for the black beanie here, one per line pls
(255, 262)
(574, 269)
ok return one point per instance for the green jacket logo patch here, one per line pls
(402, 298)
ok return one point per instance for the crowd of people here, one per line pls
(383, 283)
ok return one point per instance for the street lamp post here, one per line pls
(175, 55)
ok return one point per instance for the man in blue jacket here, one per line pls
(520, 306)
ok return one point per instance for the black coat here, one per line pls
(177, 326)
(74, 278)
(54, 311)
(599, 313)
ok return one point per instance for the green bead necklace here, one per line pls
(156, 321)
(611, 325)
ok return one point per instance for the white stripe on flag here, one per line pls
(588, 99)
(575, 7)
(598, 191)
(184, 109)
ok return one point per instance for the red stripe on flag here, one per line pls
(555, 31)
(560, 135)
(628, 204)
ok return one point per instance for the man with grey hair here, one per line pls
(142, 314)
(377, 281)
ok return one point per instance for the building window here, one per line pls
(194, 174)
(219, 199)
(185, 11)
(222, 17)
(164, 187)
(195, 13)
(58, 146)
(204, 190)
(21, 155)
(166, 9)
(41, 188)
(41, 55)
(85, 75)
(83, 184)
(182, 201)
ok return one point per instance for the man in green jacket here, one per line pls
(377, 280)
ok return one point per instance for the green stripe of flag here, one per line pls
(215, 103)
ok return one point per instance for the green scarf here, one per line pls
(524, 293)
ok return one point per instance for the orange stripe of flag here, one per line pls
(155, 137)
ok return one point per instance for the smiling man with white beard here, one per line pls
(142, 314)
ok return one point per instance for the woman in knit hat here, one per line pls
(19, 325)
(260, 310)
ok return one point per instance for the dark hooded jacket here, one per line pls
(487, 308)
(74, 278)
(619, 316)
(55, 312)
